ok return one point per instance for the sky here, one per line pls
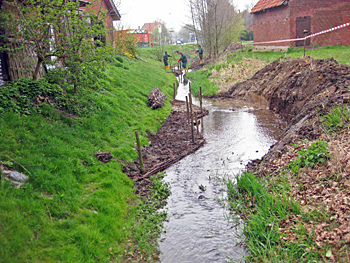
(175, 13)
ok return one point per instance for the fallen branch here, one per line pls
(166, 164)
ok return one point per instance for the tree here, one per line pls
(185, 32)
(218, 23)
(57, 30)
(160, 35)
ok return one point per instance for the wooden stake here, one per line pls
(139, 151)
(190, 101)
(174, 90)
(202, 126)
(191, 114)
(188, 110)
(200, 99)
(197, 125)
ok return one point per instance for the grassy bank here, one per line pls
(240, 65)
(75, 208)
(297, 209)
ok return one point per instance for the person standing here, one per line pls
(165, 59)
(183, 59)
(200, 53)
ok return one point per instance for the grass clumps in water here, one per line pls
(266, 214)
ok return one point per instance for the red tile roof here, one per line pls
(151, 26)
(266, 4)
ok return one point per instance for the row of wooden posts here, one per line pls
(191, 116)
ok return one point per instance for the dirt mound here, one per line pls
(297, 90)
(232, 47)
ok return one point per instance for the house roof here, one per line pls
(112, 10)
(150, 26)
(267, 4)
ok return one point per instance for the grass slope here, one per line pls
(75, 208)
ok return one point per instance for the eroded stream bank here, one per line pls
(199, 228)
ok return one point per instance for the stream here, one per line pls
(199, 227)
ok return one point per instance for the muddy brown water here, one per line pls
(200, 226)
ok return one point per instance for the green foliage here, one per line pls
(314, 154)
(150, 218)
(26, 96)
(246, 35)
(266, 207)
(125, 43)
(57, 29)
(75, 208)
(200, 79)
(336, 119)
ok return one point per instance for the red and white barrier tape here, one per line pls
(299, 39)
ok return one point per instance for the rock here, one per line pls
(156, 99)
(104, 157)
(202, 188)
(15, 176)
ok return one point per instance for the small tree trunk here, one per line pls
(37, 69)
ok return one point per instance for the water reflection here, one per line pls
(198, 227)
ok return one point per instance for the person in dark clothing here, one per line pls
(165, 59)
(200, 53)
(183, 59)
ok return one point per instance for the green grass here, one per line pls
(336, 119)
(151, 53)
(266, 210)
(201, 78)
(75, 208)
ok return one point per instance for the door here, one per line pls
(303, 23)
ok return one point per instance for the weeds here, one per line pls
(265, 214)
(150, 221)
(336, 119)
(316, 153)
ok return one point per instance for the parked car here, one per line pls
(178, 42)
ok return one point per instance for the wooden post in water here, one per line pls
(200, 99)
(188, 110)
(191, 114)
(139, 151)
(197, 125)
(202, 126)
(174, 90)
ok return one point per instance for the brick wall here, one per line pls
(324, 14)
(101, 4)
(280, 23)
(272, 24)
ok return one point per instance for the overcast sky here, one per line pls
(174, 13)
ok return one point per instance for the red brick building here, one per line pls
(150, 26)
(287, 19)
(112, 13)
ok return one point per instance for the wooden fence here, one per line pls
(22, 62)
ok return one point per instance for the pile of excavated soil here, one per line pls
(172, 142)
(300, 91)
(296, 90)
